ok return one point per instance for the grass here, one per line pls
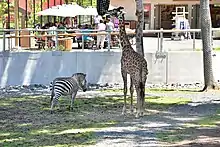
(209, 121)
(215, 49)
(26, 121)
(155, 90)
(207, 126)
(172, 136)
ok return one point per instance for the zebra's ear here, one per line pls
(84, 75)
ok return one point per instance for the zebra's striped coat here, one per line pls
(62, 86)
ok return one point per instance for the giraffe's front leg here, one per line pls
(124, 76)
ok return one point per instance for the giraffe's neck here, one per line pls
(125, 43)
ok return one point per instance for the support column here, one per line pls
(157, 17)
(152, 16)
(16, 19)
(190, 15)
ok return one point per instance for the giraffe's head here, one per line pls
(117, 12)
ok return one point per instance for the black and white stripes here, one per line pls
(63, 86)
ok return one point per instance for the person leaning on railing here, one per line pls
(101, 37)
(109, 29)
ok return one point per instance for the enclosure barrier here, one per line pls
(160, 35)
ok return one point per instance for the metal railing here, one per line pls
(58, 32)
(8, 34)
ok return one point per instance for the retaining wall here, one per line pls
(24, 68)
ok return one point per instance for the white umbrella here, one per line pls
(90, 11)
(63, 11)
(71, 10)
(48, 12)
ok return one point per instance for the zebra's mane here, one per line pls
(78, 74)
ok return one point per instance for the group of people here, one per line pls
(101, 25)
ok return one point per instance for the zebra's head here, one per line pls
(81, 78)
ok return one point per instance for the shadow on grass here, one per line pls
(26, 121)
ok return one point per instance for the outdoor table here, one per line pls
(66, 43)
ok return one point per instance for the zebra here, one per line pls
(67, 86)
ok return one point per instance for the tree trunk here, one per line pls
(206, 33)
(140, 27)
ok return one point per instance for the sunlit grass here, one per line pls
(183, 90)
(171, 136)
(168, 100)
(26, 121)
(209, 121)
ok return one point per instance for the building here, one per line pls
(158, 13)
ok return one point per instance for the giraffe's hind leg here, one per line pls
(138, 91)
(143, 94)
(124, 77)
(131, 92)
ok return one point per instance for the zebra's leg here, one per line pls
(72, 99)
(53, 103)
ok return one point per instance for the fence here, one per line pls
(60, 32)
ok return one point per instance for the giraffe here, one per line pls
(135, 65)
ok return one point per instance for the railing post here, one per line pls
(161, 39)
(194, 43)
(4, 41)
(158, 41)
(56, 40)
(109, 40)
(82, 42)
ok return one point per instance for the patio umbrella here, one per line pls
(48, 12)
(90, 11)
(63, 10)
(70, 10)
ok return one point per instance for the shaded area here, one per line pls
(26, 121)
(173, 121)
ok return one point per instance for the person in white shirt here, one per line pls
(109, 25)
(97, 19)
(101, 38)
(109, 28)
(52, 40)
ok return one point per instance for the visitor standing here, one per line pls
(101, 37)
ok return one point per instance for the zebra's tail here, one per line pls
(52, 90)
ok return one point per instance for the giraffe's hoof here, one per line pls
(131, 110)
(71, 108)
(137, 115)
(123, 112)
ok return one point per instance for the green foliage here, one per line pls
(37, 9)
(3, 12)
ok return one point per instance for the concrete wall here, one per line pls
(23, 68)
